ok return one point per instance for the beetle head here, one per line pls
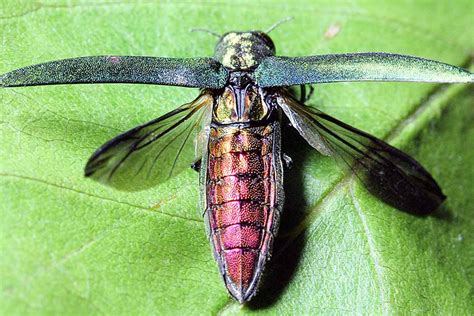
(243, 50)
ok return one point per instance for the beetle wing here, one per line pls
(185, 72)
(387, 172)
(288, 71)
(151, 153)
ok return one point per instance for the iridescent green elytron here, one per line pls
(234, 128)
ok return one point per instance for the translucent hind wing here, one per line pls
(151, 153)
(392, 175)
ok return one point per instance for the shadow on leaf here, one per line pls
(286, 252)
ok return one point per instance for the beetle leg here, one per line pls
(303, 96)
(311, 92)
(287, 161)
(302, 93)
(196, 166)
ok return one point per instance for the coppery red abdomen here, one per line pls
(242, 210)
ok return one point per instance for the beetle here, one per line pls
(234, 127)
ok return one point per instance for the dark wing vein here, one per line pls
(190, 130)
(387, 172)
(151, 153)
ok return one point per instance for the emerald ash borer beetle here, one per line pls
(234, 127)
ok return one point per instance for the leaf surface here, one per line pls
(70, 245)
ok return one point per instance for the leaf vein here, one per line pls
(374, 254)
(146, 210)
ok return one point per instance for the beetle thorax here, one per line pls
(241, 101)
(243, 50)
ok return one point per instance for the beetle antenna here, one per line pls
(205, 31)
(277, 24)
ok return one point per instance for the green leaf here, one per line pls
(71, 246)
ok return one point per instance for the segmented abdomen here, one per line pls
(244, 197)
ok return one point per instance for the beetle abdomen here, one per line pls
(243, 202)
